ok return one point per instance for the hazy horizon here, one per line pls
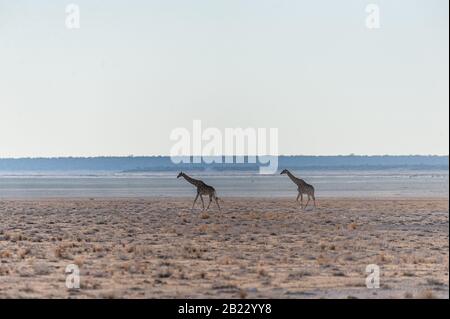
(167, 164)
(354, 176)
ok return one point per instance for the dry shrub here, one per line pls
(141, 251)
(434, 282)
(204, 215)
(97, 248)
(5, 254)
(242, 294)
(79, 260)
(125, 266)
(383, 258)
(14, 236)
(262, 272)
(427, 294)
(4, 270)
(298, 275)
(164, 273)
(408, 295)
(23, 252)
(60, 251)
(202, 228)
(190, 251)
(110, 294)
(322, 261)
(225, 260)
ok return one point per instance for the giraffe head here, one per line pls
(285, 171)
(179, 175)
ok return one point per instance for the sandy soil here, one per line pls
(255, 248)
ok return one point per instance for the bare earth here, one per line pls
(255, 248)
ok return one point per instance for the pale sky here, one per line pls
(136, 70)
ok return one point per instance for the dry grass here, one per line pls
(427, 294)
(204, 215)
(255, 248)
(5, 254)
(23, 252)
(408, 295)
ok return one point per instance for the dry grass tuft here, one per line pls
(427, 294)
(5, 254)
(242, 294)
(408, 295)
(60, 251)
(4, 270)
(164, 273)
(434, 282)
(79, 260)
(204, 215)
(263, 273)
(23, 252)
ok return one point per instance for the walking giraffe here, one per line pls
(303, 188)
(202, 189)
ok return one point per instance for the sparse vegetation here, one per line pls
(427, 294)
(146, 249)
(408, 295)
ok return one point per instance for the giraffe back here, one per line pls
(304, 187)
(205, 189)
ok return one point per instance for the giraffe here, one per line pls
(303, 188)
(202, 189)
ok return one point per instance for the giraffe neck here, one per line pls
(191, 180)
(293, 178)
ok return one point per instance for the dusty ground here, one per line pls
(156, 248)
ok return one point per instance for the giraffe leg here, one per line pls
(307, 201)
(203, 203)
(196, 197)
(301, 201)
(210, 200)
(298, 197)
(217, 202)
(314, 199)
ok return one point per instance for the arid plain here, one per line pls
(254, 248)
